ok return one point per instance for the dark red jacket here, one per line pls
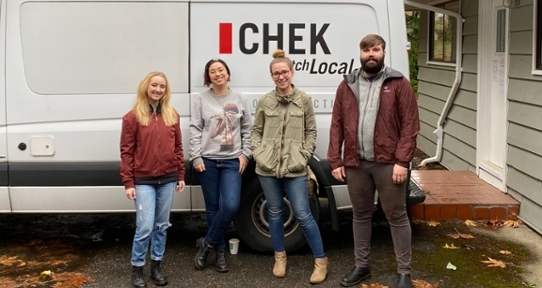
(149, 151)
(396, 128)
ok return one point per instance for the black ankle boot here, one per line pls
(203, 253)
(404, 281)
(355, 276)
(221, 265)
(137, 277)
(157, 274)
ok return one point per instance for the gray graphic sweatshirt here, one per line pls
(220, 127)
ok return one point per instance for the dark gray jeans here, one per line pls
(362, 182)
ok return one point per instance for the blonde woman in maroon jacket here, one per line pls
(152, 169)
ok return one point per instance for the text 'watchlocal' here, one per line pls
(296, 44)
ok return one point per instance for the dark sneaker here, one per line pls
(157, 274)
(201, 257)
(137, 277)
(221, 265)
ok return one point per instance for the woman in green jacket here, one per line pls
(283, 140)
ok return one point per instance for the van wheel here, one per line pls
(252, 224)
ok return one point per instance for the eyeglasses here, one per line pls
(282, 73)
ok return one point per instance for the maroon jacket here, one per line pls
(397, 122)
(149, 151)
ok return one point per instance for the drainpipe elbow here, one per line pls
(439, 132)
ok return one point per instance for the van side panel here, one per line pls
(5, 205)
(72, 69)
(320, 37)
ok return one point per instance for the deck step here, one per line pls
(458, 195)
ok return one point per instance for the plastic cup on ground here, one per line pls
(234, 246)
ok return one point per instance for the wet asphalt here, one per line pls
(99, 246)
(78, 248)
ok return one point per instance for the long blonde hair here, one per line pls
(141, 104)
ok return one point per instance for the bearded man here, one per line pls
(372, 139)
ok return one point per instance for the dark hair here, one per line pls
(371, 40)
(206, 78)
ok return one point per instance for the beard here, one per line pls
(372, 67)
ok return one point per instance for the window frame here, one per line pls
(430, 33)
(537, 38)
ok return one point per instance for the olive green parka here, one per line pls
(281, 145)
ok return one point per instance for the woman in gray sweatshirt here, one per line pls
(220, 129)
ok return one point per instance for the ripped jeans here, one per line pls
(153, 205)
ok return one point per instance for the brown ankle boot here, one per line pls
(320, 271)
(279, 270)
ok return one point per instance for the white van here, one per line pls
(69, 70)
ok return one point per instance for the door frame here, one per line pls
(487, 171)
(5, 203)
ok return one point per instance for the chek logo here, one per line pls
(225, 38)
(296, 42)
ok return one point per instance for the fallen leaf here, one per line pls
(70, 280)
(451, 266)
(45, 276)
(512, 223)
(377, 285)
(460, 235)
(11, 261)
(423, 284)
(452, 246)
(493, 223)
(505, 252)
(470, 223)
(513, 216)
(494, 263)
(433, 223)
(6, 282)
(59, 262)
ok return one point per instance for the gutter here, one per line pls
(439, 132)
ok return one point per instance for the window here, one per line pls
(500, 44)
(442, 34)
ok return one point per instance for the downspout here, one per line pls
(439, 132)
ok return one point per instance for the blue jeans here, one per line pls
(153, 205)
(296, 191)
(221, 187)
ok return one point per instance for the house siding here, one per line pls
(524, 129)
(524, 137)
(434, 85)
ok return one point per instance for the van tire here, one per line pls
(251, 220)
